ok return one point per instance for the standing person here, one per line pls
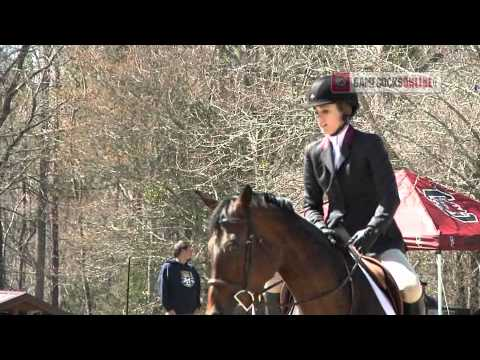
(179, 282)
(354, 171)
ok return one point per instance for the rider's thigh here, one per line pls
(403, 273)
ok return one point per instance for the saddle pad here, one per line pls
(385, 281)
(382, 298)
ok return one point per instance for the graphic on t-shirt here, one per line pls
(187, 278)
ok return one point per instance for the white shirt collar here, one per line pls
(337, 142)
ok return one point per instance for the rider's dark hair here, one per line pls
(344, 107)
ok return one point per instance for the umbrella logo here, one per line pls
(418, 241)
(446, 202)
(452, 241)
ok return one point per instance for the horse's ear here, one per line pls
(245, 196)
(211, 203)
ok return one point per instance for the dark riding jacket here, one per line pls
(362, 192)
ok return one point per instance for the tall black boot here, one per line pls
(416, 308)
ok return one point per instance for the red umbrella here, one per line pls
(433, 217)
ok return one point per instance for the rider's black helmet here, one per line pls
(331, 89)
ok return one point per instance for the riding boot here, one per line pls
(416, 308)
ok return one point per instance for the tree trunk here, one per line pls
(2, 258)
(22, 240)
(54, 208)
(86, 287)
(41, 232)
(43, 195)
(55, 252)
(149, 288)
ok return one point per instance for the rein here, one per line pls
(325, 293)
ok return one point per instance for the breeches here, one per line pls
(403, 273)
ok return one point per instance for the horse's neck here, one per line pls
(310, 266)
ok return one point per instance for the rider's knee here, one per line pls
(404, 274)
(411, 291)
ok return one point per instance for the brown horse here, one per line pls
(254, 235)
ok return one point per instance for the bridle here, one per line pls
(251, 240)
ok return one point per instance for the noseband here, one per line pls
(251, 241)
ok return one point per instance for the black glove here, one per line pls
(329, 233)
(364, 239)
(334, 220)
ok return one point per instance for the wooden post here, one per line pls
(149, 291)
(128, 284)
(439, 282)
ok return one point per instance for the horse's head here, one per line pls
(242, 260)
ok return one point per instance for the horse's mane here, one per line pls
(259, 199)
(264, 199)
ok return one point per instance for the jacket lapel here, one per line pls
(347, 145)
(326, 156)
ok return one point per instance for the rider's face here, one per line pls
(329, 118)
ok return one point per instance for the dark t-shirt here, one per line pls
(179, 287)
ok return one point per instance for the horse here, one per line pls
(254, 235)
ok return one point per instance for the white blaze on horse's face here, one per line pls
(211, 246)
(214, 251)
(220, 298)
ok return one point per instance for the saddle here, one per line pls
(379, 274)
(385, 282)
